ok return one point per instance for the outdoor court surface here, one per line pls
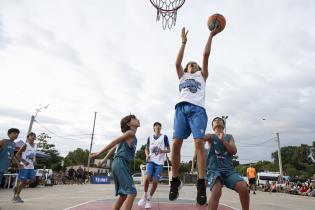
(157, 205)
(96, 197)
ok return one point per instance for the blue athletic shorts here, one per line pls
(189, 118)
(122, 178)
(154, 171)
(27, 174)
(228, 178)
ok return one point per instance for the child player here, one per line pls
(126, 148)
(155, 151)
(220, 169)
(190, 115)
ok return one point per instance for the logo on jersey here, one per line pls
(191, 84)
(155, 150)
(220, 155)
(30, 156)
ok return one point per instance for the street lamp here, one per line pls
(279, 152)
(33, 117)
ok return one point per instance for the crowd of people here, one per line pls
(282, 185)
(299, 188)
(72, 176)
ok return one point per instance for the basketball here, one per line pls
(216, 21)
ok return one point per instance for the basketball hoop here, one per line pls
(167, 11)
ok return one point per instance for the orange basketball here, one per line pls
(216, 21)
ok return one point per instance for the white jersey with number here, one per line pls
(29, 155)
(192, 89)
(155, 144)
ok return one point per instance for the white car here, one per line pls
(136, 177)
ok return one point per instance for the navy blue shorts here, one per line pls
(189, 118)
(27, 174)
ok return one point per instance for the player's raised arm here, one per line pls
(127, 135)
(180, 55)
(206, 54)
(109, 155)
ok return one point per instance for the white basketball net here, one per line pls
(167, 11)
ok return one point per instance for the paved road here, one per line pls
(65, 196)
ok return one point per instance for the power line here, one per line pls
(54, 133)
(259, 144)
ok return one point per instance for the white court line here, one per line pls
(71, 207)
(229, 206)
(153, 202)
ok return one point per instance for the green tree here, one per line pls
(313, 151)
(77, 157)
(242, 169)
(139, 159)
(296, 160)
(54, 162)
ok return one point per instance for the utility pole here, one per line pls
(31, 124)
(92, 137)
(279, 155)
(33, 117)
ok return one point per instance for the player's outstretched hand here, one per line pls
(184, 35)
(221, 136)
(215, 31)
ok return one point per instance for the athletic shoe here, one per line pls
(201, 192)
(17, 199)
(176, 184)
(142, 201)
(148, 204)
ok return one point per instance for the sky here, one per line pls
(113, 58)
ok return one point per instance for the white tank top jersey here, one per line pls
(192, 89)
(29, 155)
(155, 144)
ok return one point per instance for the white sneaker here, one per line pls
(142, 201)
(148, 204)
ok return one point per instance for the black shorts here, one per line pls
(252, 181)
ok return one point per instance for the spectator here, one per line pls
(80, 173)
(273, 187)
(312, 192)
(251, 175)
(309, 190)
(71, 173)
(303, 189)
(266, 187)
(293, 188)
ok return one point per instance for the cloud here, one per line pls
(4, 39)
(83, 59)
